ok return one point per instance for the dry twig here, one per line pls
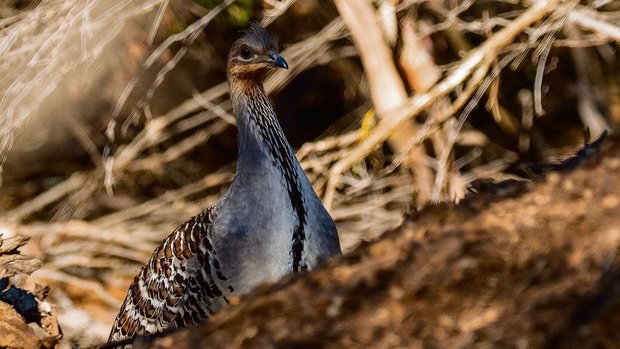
(476, 62)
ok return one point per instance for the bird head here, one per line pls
(254, 53)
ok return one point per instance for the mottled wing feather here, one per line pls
(178, 286)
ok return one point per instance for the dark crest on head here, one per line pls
(257, 33)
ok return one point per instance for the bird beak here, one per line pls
(277, 60)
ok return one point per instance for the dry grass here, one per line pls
(53, 45)
(99, 236)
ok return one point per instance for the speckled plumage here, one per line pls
(268, 224)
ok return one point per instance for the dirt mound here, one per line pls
(520, 264)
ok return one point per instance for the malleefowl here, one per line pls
(269, 223)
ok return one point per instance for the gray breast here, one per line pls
(271, 221)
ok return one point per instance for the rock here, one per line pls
(26, 320)
(14, 333)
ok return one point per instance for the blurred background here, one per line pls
(116, 125)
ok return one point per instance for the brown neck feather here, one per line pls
(244, 85)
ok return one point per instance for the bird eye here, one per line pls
(245, 52)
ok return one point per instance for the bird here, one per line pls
(268, 224)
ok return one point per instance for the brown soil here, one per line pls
(518, 265)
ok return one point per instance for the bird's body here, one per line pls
(268, 224)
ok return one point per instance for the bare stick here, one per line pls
(588, 112)
(272, 14)
(54, 194)
(149, 206)
(587, 19)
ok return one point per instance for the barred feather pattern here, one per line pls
(181, 284)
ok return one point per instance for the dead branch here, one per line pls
(589, 20)
(386, 88)
(476, 62)
(54, 194)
